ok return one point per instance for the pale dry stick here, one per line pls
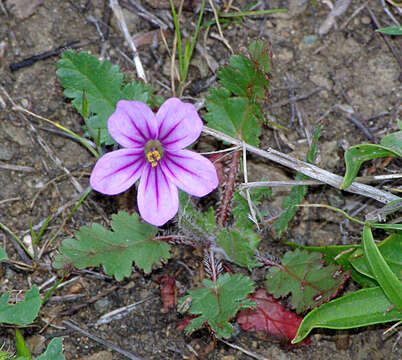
(21, 168)
(386, 10)
(309, 170)
(360, 179)
(247, 352)
(114, 4)
(253, 218)
(101, 341)
(222, 38)
(121, 312)
(234, 148)
(47, 282)
(139, 10)
(65, 283)
(9, 200)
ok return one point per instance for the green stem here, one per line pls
(19, 241)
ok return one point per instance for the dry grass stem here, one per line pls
(307, 169)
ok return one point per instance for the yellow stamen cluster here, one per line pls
(153, 157)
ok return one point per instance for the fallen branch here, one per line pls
(310, 170)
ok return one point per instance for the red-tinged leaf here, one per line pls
(168, 292)
(270, 316)
(184, 323)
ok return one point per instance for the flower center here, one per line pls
(153, 152)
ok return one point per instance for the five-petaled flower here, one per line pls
(153, 150)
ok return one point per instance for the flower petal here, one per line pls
(178, 123)
(157, 197)
(191, 172)
(116, 171)
(132, 124)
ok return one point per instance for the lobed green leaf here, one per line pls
(240, 246)
(216, 305)
(101, 82)
(22, 313)
(341, 255)
(360, 308)
(96, 86)
(305, 276)
(233, 116)
(131, 241)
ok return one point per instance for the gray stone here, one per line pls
(6, 153)
(102, 305)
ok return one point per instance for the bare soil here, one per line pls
(351, 65)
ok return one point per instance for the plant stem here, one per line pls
(230, 183)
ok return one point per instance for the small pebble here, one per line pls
(366, 20)
(102, 305)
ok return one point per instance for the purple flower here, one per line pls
(153, 151)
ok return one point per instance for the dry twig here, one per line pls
(307, 169)
(114, 4)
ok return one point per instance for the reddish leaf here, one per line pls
(184, 323)
(269, 316)
(168, 292)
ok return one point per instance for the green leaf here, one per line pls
(391, 30)
(356, 155)
(251, 13)
(139, 91)
(248, 76)
(305, 276)
(130, 241)
(54, 351)
(387, 279)
(360, 308)
(290, 202)
(240, 246)
(394, 142)
(241, 209)
(233, 116)
(341, 255)
(22, 313)
(3, 255)
(22, 348)
(101, 82)
(390, 249)
(235, 109)
(196, 222)
(216, 305)
(297, 193)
